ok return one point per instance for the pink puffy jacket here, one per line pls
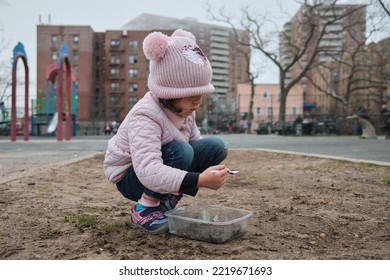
(146, 128)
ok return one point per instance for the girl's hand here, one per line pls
(213, 177)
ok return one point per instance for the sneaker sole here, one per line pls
(162, 229)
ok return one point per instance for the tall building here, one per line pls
(345, 30)
(219, 44)
(110, 68)
(121, 72)
(80, 41)
(112, 71)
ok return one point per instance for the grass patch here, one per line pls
(2, 241)
(114, 226)
(79, 220)
(93, 210)
(182, 246)
(50, 232)
(45, 189)
(254, 179)
(101, 242)
(386, 180)
(33, 215)
(311, 168)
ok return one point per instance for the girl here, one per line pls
(158, 153)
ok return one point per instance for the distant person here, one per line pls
(243, 125)
(158, 153)
(114, 127)
(3, 110)
(230, 127)
(298, 125)
(386, 121)
(107, 129)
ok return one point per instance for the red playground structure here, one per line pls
(19, 52)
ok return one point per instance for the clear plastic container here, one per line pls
(210, 223)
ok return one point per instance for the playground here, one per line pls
(50, 114)
(303, 208)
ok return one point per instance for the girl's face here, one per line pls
(188, 105)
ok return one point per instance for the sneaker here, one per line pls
(151, 219)
(171, 202)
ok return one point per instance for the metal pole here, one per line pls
(26, 104)
(13, 103)
(59, 102)
(68, 100)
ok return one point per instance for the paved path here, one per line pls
(20, 158)
(353, 148)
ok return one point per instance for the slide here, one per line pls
(53, 124)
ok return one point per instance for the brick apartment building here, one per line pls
(112, 70)
(342, 36)
(81, 47)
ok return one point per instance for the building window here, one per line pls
(115, 59)
(114, 72)
(133, 45)
(133, 59)
(133, 73)
(76, 68)
(133, 100)
(115, 43)
(114, 86)
(54, 56)
(265, 95)
(54, 40)
(133, 87)
(269, 110)
(258, 111)
(114, 114)
(114, 100)
(75, 55)
(76, 40)
(294, 111)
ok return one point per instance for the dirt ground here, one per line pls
(303, 208)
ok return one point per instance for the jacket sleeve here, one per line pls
(190, 184)
(145, 141)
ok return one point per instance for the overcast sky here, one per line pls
(19, 18)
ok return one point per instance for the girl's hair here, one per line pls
(170, 104)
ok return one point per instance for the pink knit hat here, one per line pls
(178, 67)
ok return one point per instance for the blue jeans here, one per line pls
(195, 156)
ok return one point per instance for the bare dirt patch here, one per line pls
(303, 208)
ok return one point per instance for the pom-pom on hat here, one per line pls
(178, 67)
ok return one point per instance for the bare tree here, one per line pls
(357, 75)
(241, 38)
(384, 7)
(361, 73)
(5, 65)
(300, 54)
(341, 75)
(5, 72)
(253, 74)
